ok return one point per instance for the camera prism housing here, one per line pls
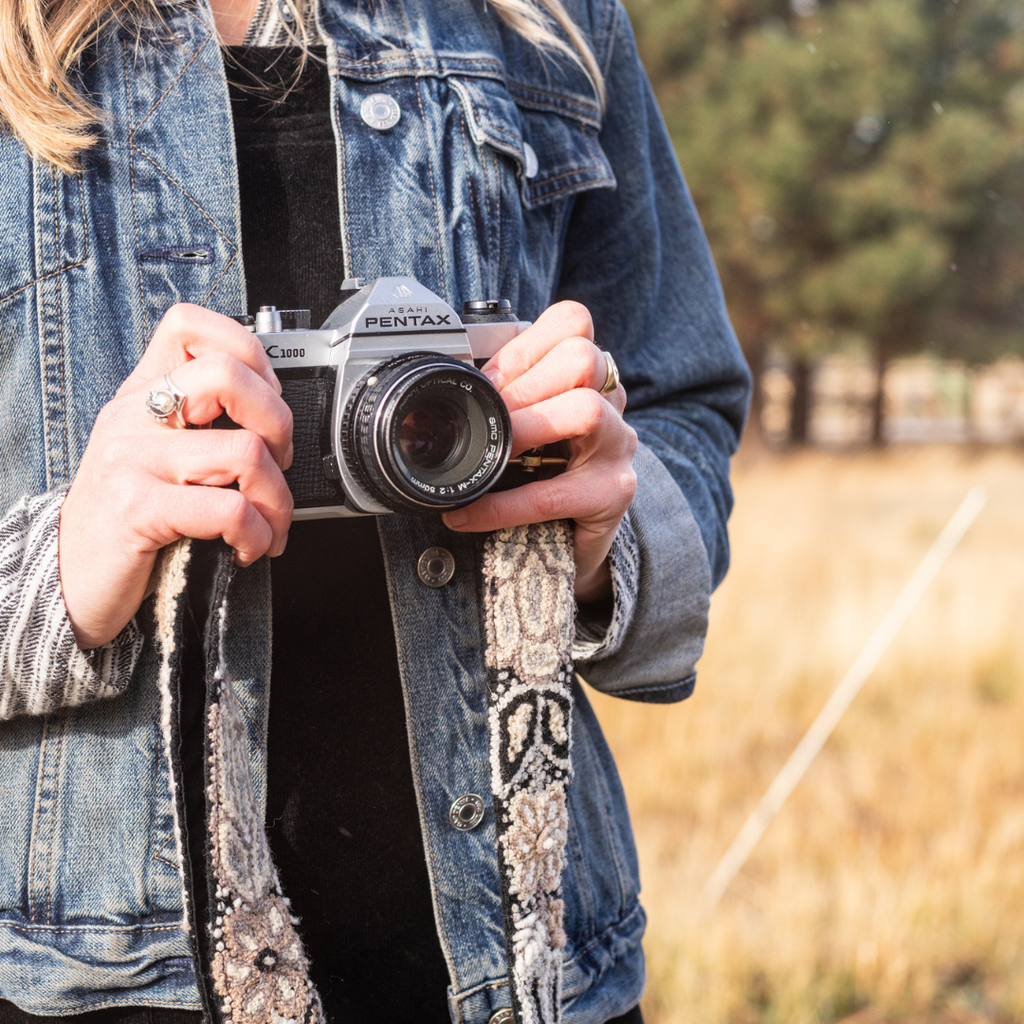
(390, 412)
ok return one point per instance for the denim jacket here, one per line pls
(503, 177)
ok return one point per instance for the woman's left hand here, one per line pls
(551, 377)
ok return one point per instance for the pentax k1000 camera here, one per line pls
(390, 412)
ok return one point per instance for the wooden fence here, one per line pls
(926, 400)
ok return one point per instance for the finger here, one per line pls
(209, 512)
(188, 332)
(617, 399)
(218, 382)
(572, 363)
(586, 496)
(219, 458)
(579, 415)
(558, 322)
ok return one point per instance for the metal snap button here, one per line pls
(380, 111)
(503, 1016)
(532, 166)
(436, 566)
(467, 812)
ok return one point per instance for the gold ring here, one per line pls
(611, 382)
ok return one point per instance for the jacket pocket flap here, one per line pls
(556, 154)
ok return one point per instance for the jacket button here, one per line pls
(530, 170)
(436, 566)
(380, 111)
(467, 812)
(503, 1016)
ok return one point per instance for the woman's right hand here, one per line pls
(142, 485)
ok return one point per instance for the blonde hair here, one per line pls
(532, 19)
(40, 44)
(42, 40)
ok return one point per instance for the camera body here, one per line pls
(390, 412)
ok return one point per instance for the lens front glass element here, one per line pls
(439, 435)
(431, 433)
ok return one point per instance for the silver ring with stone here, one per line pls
(163, 402)
(611, 382)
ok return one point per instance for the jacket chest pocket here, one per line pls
(469, 188)
(532, 154)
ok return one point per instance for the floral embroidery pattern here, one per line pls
(262, 968)
(529, 615)
(535, 840)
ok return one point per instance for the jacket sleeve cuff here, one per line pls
(601, 628)
(650, 653)
(42, 668)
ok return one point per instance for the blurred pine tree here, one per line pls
(858, 165)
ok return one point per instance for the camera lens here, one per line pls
(432, 433)
(425, 432)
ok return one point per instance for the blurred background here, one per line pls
(858, 165)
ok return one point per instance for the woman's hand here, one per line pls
(143, 484)
(550, 377)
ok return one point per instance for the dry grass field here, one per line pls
(891, 885)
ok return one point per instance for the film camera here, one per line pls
(390, 412)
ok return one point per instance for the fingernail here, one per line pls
(496, 377)
(453, 520)
(241, 560)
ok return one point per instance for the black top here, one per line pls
(287, 179)
(341, 808)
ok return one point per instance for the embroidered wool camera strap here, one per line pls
(254, 953)
(249, 942)
(529, 613)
